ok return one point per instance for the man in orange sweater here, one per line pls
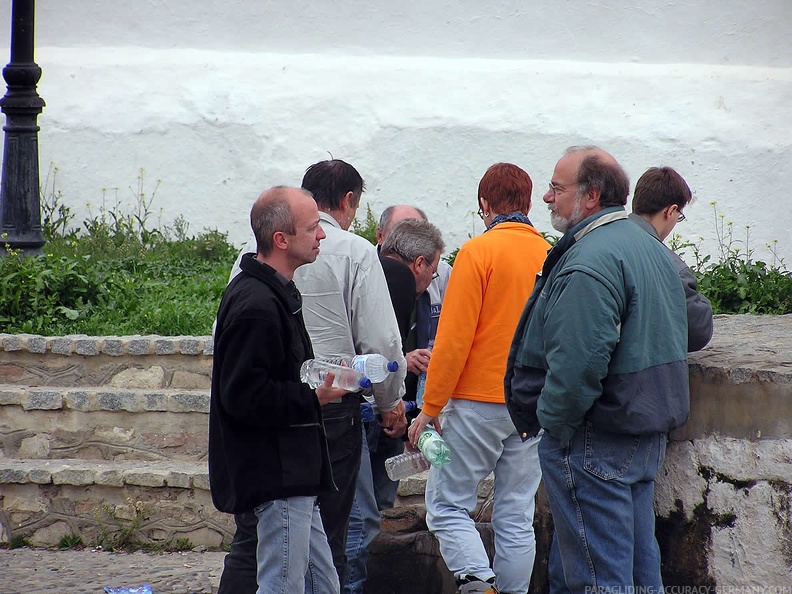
(493, 276)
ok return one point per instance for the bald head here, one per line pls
(274, 211)
(392, 215)
(598, 172)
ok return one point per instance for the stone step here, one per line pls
(152, 502)
(103, 423)
(178, 362)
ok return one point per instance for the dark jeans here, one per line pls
(344, 440)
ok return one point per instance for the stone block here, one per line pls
(87, 346)
(138, 346)
(190, 402)
(81, 400)
(12, 342)
(42, 399)
(37, 344)
(35, 447)
(41, 476)
(36, 504)
(188, 380)
(201, 481)
(110, 477)
(10, 395)
(113, 346)
(137, 378)
(413, 485)
(155, 401)
(166, 346)
(14, 474)
(144, 478)
(10, 373)
(190, 346)
(116, 401)
(179, 479)
(62, 345)
(73, 476)
(209, 347)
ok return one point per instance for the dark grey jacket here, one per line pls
(699, 310)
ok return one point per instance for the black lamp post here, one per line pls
(20, 208)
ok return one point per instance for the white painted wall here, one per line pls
(220, 100)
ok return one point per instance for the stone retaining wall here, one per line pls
(723, 502)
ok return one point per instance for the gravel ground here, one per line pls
(34, 571)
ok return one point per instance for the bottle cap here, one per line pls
(364, 383)
(393, 366)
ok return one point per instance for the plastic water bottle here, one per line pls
(406, 464)
(373, 366)
(433, 447)
(369, 411)
(314, 371)
(419, 390)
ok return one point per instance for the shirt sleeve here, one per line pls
(455, 333)
(374, 327)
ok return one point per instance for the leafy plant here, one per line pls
(18, 541)
(735, 283)
(70, 541)
(180, 544)
(119, 527)
(368, 228)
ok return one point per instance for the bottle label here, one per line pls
(427, 435)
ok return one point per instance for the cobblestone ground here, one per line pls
(39, 571)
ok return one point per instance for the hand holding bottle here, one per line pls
(326, 393)
(419, 424)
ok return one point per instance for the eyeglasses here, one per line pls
(682, 216)
(435, 274)
(559, 189)
(480, 213)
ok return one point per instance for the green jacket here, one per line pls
(603, 337)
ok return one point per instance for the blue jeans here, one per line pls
(482, 439)
(364, 525)
(292, 554)
(601, 491)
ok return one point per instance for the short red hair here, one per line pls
(506, 188)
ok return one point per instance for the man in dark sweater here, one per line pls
(267, 447)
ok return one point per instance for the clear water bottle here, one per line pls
(369, 411)
(314, 371)
(419, 391)
(373, 366)
(406, 464)
(433, 447)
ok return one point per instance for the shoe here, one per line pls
(473, 585)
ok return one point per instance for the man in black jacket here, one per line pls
(267, 448)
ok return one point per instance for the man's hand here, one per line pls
(327, 393)
(394, 422)
(418, 360)
(419, 424)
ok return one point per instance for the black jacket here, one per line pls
(266, 437)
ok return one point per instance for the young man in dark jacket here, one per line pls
(267, 448)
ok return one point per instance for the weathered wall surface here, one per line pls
(220, 100)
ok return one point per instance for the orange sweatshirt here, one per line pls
(493, 276)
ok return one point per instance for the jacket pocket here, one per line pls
(300, 450)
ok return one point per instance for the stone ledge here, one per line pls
(105, 398)
(182, 475)
(115, 346)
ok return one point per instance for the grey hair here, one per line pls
(411, 238)
(387, 214)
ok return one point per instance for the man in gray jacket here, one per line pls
(660, 196)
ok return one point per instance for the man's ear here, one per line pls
(591, 199)
(347, 201)
(279, 240)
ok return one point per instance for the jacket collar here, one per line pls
(644, 224)
(287, 293)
